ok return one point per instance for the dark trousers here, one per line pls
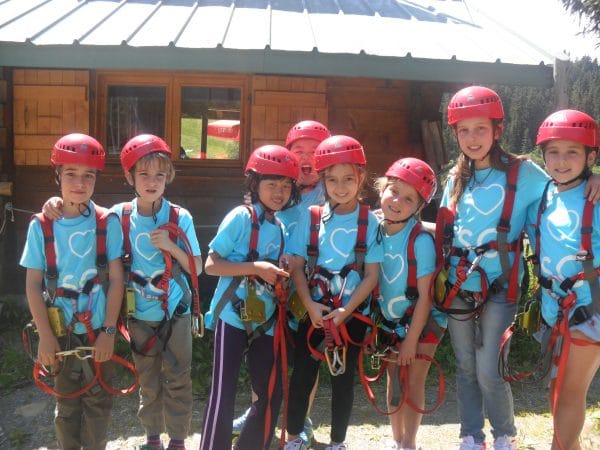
(229, 346)
(305, 373)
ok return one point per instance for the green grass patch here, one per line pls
(191, 139)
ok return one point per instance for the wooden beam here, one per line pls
(50, 92)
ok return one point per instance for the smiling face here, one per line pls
(343, 182)
(275, 193)
(566, 160)
(399, 200)
(475, 137)
(304, 149)
(76, 184)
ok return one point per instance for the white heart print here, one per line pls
(392, 302)
(78, 243)
(332, 240)
(558, 217)
(138, 245)
(390, 280)
(481, 196)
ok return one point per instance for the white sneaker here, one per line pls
(340, 446)
(296, 444)
(468, 443)
(389, 444)
(505, 443)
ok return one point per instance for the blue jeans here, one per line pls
(479, 385)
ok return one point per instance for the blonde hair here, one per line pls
(162, 159)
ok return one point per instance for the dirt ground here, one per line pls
(26, 419)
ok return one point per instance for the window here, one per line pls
(201, 117)
(210, 123)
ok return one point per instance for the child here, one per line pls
(478, 278)
(565, 235)
(302, 140)
(62, 256)
(404, 316)
(245, 254)
(161, 327)
(335, 268)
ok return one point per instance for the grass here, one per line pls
(191, 136)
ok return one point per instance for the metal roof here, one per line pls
(435, 40)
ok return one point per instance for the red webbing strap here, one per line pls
(102, 215)
(403, 379)
(360, 247)
(254, 229)
(411, 281)
(502, 370)
(115, 391)
(174, 219)
(312, 249)
(366, 382)
(125, 226)
(179, 233)
(50, 251)
(282, 291)
(561, 328)
(502, 231)
(39, 371)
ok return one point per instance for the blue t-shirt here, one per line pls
(560, 240)
(337, 238)
(75, 247)
(393, 272)
(290, 216)
(149, 262)
(232, 243)
(479, 210)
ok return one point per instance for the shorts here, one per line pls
(432, 338)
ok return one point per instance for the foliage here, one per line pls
(586, 9)
(526, 107)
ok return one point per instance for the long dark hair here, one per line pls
(463, 170)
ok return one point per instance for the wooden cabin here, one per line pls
(219, 78)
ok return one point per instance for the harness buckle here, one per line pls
(336, 362)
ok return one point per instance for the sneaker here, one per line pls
(468, 443)
(340, 446)
(239, 423)
(307, 433)
(505, 443)
(389, 444)
(296, 444)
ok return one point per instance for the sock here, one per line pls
(177, 444)
(154, 441)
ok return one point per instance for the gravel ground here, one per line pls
(26, 418)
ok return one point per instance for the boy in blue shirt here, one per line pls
(77, 295)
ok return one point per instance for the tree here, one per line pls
(588, 9)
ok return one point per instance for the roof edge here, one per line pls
(277, 62)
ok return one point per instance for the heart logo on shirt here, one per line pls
(143, 240)
(483, 195)
(271, 248)
(391, 279)
(343, 237)
(572, 222)
(78, 243)
(391, 303)
(291, 227)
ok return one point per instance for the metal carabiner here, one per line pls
(78, 352)
(198, 326)
(335, 362)
(474, 264)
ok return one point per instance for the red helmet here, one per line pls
(307, 129)
(140, 146)
(273, 160)
(338, 150)
(474, 101)
(569, 125)
(417, 173)
(78, 148)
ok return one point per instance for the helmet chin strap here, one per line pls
(267, 213)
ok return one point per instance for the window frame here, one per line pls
(173, 82)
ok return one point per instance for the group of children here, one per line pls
(304, 249)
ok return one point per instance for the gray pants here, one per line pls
(165, 380)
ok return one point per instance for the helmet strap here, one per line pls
(584, 175)
(84, 209)
(267, 213)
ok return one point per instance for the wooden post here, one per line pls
(561, 97)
